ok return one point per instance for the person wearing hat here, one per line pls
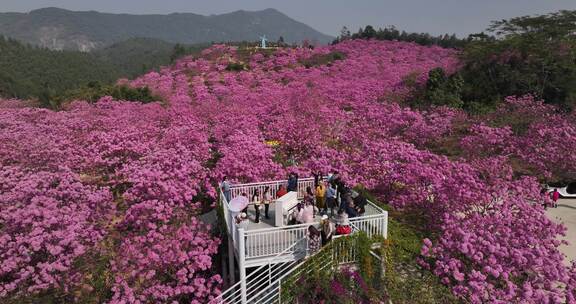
(342, 223)
(327, 229)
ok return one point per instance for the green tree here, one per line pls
(368, 33)
(281, 42)
(442, 90)
(344, 33)
(527, 55)
(178, 51)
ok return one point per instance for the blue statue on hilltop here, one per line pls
(263, 43)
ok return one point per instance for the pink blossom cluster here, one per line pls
(113, 180)
(48, 219)
(538, 137)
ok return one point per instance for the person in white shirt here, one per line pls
(266, 199)
(306, 214)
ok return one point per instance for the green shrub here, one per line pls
(327, 59)
(94, 91)
(236, 66)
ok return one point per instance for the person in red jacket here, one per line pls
(342, 223)
(281, 191)
(555, 197)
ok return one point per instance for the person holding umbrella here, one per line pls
(238, 204)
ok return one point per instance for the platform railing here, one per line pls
(274, 240)
(249, 188)
(271, 241)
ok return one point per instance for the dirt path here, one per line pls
(566, 214)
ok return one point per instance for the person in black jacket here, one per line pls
(292, 182)
(317, 178)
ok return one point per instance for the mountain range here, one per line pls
(60, 29)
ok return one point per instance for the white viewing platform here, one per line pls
(273, 240)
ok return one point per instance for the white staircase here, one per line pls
(264, 284)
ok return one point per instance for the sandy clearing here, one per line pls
(566, 214)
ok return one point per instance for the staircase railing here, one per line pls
(340, 251)
(262, 278)
(265, 284)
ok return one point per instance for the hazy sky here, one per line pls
(434, 16)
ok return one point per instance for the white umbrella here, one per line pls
(238, 203)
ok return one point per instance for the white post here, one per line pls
(386, 224)
(241, 264)
(269, 275)
(231, 272)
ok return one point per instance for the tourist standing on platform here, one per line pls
(306, 214)
(225, 186)
(309, 198)
(349, 206)
(342, 223)
(266, 199)
(341, 189)
(309, 195)
(281, 191)
(313, 240)
(292, 182)
(331, 198)
(317, 178)
(327, 228)
(256, 200)
(321, 197)
(333, 177)
(245, 210)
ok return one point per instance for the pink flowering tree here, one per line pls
(132, 178)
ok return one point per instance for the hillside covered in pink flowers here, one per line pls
(100, 201)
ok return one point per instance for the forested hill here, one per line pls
(136, 56)
(27, 71)
(32, 72)
(59, 29)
